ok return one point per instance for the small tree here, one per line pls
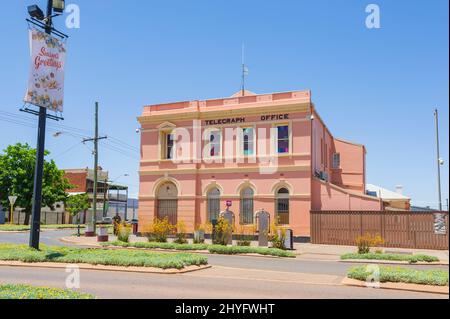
(76, 204)
(17, 165)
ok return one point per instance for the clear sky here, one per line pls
(377, 87)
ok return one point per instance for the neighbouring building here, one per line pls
(391, 200)
(282, 158)
(115, 196)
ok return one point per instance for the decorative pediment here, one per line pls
(166, 125)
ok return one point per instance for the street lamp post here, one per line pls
(440, 161)
(38, 174)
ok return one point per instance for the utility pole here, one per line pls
(95, 139)
(439, 160)
(39, 167)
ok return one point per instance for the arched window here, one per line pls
(213, 204)
(167, 202)
(282, 206)
(246, 206)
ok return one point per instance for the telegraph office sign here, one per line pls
(239, 120)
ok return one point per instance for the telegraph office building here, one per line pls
(269, 151)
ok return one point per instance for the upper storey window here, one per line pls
(336, 160)
(167, 145)
(215, 143)
(248, 141)
(283, 139)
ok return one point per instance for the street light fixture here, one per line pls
(58, 6)
(35, 12)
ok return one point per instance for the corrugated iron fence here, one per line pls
(422, 230)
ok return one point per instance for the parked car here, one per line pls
(107, 220)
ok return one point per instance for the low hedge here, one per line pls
(393, 257)
(156, 245)
(124, 258)
(233, 250)
(404, 275)
(214, 249)
(30, 292)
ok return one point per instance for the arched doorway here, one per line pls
(213, 204)
(282, 206)
(167, 202)
(246, 206)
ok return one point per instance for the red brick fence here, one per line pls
(403, 229)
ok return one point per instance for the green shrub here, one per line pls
(160, 230)
(278, 237)
(123, 232)
(223, 231)
(404, 275)
(181, 233)
(364, 243)
(393, 257)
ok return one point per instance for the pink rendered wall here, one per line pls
(191, 187)
(325, 196)
(352, 172)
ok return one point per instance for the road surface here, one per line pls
(230, 277)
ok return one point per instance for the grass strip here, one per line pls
(214, 249)
(123, 258)
(392, 257)
(9, 227)
(30, 292)
(398, 274)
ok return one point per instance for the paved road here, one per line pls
(206, 284)
(49, 237)
(230, 277)
(247, 262)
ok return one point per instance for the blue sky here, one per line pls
(377, 87)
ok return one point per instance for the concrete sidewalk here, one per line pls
(303, 251)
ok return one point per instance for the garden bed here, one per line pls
(214, 249)
(391, 257)
(401, 275)
(124, 258)
(30, 292)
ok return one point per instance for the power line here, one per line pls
(68, 150)
(69, 130)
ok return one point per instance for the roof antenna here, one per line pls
(244, 69)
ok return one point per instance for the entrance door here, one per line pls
(167, 203)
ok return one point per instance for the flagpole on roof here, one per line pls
(244, 69)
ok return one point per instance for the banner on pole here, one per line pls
(46, 75)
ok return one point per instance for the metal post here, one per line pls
(94, 204)
(126, 205)
(105, 191)
(436, 119)
(38, 173)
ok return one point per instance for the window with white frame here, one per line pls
(248, 141)
(336, 160)
(283, 141)
(215, 143)
(168, 145)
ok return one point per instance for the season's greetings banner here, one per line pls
(46, 77)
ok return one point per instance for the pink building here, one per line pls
(269, 151)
